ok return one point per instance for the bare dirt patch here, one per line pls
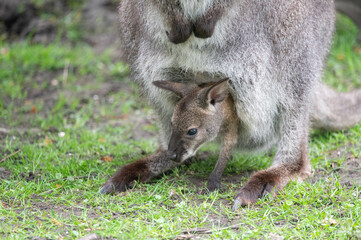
(4, 174)
(38, 203)
(95, 21)
(349, 171)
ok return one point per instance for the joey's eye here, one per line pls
(192, 132)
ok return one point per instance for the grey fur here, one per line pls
(272, 51)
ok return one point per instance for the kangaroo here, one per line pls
(272, 52)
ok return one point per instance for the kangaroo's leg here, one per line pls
(290, 162)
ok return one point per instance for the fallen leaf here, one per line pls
(329, 221)
(122, 194)
(184, 236)
(33, 110)
(357, 49)
(4, 51)
(47, 141)
(56, 222)
(107, 158)
(333, 165)
(340, 56)
(172, 193)
(54, 82)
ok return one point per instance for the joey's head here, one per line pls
(197, 116)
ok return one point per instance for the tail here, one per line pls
(334, 110)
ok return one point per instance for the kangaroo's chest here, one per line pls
(193, 9)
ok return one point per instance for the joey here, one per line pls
(201, 115)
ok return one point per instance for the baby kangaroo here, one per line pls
(201, 115)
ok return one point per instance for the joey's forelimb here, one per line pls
(142, 170)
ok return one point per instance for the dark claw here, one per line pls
(108, 188)
(236, 204)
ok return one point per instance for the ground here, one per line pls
(70, 116)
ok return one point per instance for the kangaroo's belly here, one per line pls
(240, 52)
(257, 94)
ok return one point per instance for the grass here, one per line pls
(72, 118)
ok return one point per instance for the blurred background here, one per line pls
(46, 21)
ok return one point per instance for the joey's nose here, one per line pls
(172, 156)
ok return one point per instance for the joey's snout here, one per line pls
(173, 156)
(175, 148)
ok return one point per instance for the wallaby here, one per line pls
(272, 52)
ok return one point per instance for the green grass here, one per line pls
(343, 65)
(71, 117)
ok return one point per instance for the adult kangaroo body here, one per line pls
(272, 52)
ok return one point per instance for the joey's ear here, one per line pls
(179, 89)
(217, 92)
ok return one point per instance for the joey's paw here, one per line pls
(126, 176)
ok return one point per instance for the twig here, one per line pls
(9, 156)
(66, 178)
(4, 130)
(92, 236)
(47, 191)
(80, 177)
(208, 230)
(21, 130)
(66, 71)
